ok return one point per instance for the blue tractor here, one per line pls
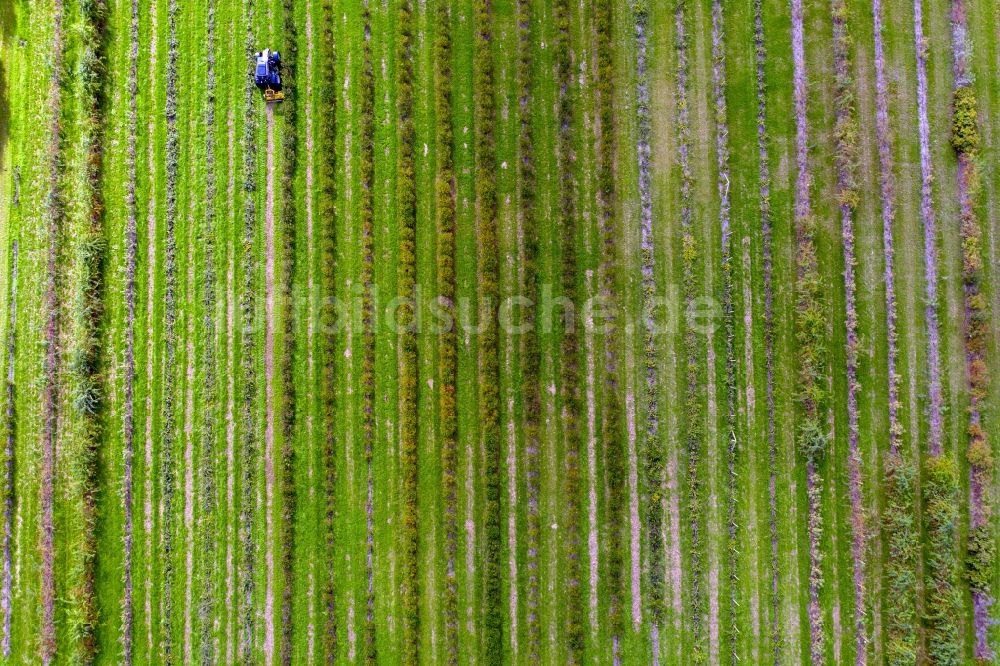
(267, 76)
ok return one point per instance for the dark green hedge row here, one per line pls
(444, 186)
(289, 212)
(487, 278)
(87, 358)
(569, 350)
(408, 370)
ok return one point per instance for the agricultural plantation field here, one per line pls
(521, 332)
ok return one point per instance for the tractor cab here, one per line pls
(267, 76)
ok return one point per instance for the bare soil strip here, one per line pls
(53, 217)
(128, 416)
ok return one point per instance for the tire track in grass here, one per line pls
(980, 564)
(53, 217)
(408, 362)
(809, 334)
(569, 352)
(447, 348)
(10, 426)
(231, 598)
(487, 277)
(729, 321)
(128, 418)
(846, 159)
(900, 570)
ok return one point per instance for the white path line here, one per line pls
(230, 391)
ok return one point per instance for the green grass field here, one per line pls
(521, 332)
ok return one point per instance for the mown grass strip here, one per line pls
(248, 455)
(288, 391)
(128, 417)
(10, 436)
(326, 213)
(569, 349)
(448, 345)
(487, 277)
(207, 482)
(531, 351)
(732, 630)
(368, 341)
(845, 134)
(981, 547)
(408, 365)
(898, 518)
(54, 218)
